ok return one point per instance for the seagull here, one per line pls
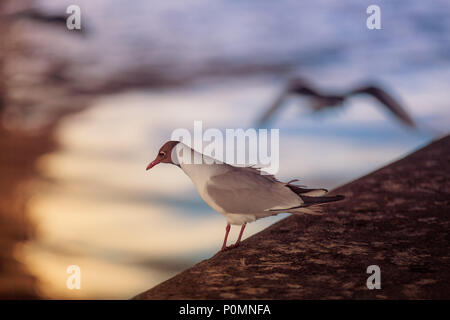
(241, 194)
(320, 101)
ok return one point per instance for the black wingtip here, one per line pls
(308, 201)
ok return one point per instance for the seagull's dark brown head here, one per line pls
(164, 154)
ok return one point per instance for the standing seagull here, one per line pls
(241, 194)
(322, 101)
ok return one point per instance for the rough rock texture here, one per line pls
(396, 217)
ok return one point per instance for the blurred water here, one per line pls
(127, 229)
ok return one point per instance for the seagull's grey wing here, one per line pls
(245, 190)
(388, 101)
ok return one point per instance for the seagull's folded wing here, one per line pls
(245, 190)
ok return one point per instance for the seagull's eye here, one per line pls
(162, 153)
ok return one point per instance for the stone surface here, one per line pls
(396, 217)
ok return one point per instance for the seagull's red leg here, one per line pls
(227, 231)
(238, 242)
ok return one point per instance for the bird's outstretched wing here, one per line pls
(296, 86)
(388, 101)
(301, 86)
(273, 108)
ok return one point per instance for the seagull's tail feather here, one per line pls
(310, 205)
(300, 191)
(312, 201)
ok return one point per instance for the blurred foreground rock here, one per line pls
(396, 217)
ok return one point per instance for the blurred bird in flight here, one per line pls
(321, 101)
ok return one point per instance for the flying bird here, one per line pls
(241, 194)
(320, 100)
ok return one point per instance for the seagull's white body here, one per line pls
(201, 174)
(241, 194)
(207, 174)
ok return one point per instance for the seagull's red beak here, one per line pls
(152, 164)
